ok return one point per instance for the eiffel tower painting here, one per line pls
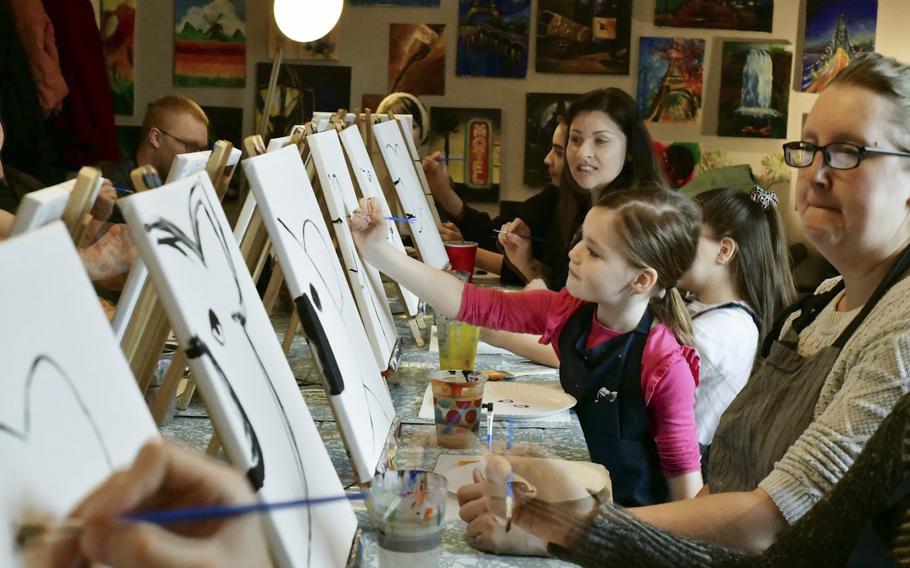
(835, 33)
(670, 79)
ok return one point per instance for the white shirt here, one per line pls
(727, 340)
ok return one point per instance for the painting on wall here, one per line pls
(302, 89)
(836, 32)
(493, 38)
(469, 138)
(415, 3)
(118, 20)
(754, 90)
(751, 15)
(542, 114)
(583, 36)
(417, 59)
(670, 79)
(210, 43)
(679, 161)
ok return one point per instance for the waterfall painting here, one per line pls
(754, 90)
(670, 79)
(836, 32)
(584, 36)
(493, 38)
(751, 15)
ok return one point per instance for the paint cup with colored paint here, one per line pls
(456, 406)
(408, 508)
(461, 256)
(457, 344)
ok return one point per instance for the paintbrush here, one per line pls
(33, 534)
(529, 237)
(399, 219)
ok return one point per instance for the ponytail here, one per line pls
(670, 309)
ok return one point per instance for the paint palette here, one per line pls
(523, 401)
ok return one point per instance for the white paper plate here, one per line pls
(525, 400)
(593, 477)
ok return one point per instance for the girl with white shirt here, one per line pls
(739, 280)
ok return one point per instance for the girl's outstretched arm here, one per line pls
(439, 289)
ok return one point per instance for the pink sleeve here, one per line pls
(668, 385)
(525, 312)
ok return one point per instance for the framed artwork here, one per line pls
(60, 433)
(542, 113)
(417, 59)
(836, 32)
(327, 310)
(751, 15)
(493, 38)
(210, 43)
(301, 90)
(369, 185)
(216, 313)
(583, 36)
(366, 283)
(670, 79)
(118, 24)
(679, 160)
(754, 90)
(469, 138)
(414, 203)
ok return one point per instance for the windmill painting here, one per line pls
(836, 32)
(210, 43)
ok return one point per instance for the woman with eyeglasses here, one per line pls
(831, 370)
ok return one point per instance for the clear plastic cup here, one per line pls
(408, 508)
(456, 406)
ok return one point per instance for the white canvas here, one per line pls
(185, 165)
(39, 208)
(401, 169)
(278, 143)
(366, 283)
(246, 215)
(357, 392)
(369, 186)
(71, 412)
(211, 301)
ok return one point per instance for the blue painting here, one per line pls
(752, 15)
(493, 38)
(836, 31)
(670, 79)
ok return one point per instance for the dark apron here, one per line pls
(706, 450)
(606, 382)
(778, 403)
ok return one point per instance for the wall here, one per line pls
(364, 47)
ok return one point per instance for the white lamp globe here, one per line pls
(307, 20)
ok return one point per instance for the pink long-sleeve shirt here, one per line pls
(669, 371)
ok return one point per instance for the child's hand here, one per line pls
(368, 226)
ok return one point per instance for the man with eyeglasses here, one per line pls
(836, 155)
(172, 125)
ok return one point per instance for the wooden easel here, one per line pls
(80, 202)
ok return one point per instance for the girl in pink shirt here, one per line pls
(620, 328)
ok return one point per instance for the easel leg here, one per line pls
(187, 395)
(274, 286)
(415, 330)
(214, 446)
(293, 324)
(168, 390)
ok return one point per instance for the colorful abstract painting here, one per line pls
(210, 43)
(469, 138)
(493, 38)
(751, 15)
(670, 79)
(118, 22)
(754, 90)
(417, 58)
(836, 31)
(301, 89)
(583, 36)
(679, 161)
(542, 113)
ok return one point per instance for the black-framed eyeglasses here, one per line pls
(837, 155)
(188, 147)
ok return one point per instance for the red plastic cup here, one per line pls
(461, 256)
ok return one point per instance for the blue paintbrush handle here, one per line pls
(224, 511)
(399, 219)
